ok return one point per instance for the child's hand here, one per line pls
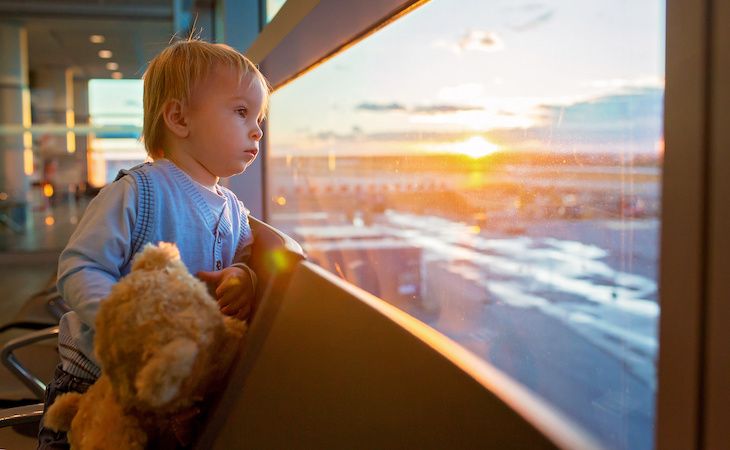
(233, 288)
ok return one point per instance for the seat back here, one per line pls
(274, 258)
(339, 368)
(42, 309)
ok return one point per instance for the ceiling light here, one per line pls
(106, 54)
(117, 75)
(97, 39)
(112, 66)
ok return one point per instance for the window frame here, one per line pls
(716, 366)
(692, 373)
(683, 243)
(303, 34)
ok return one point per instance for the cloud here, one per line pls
(480, 40)
(380, 107)
(356, 133)
(444, 109)
(620, 84)
(424, 109)
(487, 41)
(396, 136)
(630, 108)
(628, 121)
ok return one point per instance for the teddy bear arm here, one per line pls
(111, 432)
(235, 329)
(61, 413)
(107, 427)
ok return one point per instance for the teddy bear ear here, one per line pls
(154, 257)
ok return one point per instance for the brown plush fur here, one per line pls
(163, 345)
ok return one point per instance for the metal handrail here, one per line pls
(9, 360)
(21, 414)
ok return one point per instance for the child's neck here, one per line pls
(194, 169)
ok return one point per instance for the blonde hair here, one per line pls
(174, 73)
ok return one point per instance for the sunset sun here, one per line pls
(474, 147)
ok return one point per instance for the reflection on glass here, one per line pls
(273, 7)
(115, 109)
(494, 168)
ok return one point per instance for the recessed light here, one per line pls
(106, 54)
(112, 66)
(97, 39)
(117, 75)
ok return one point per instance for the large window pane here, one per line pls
(273, 7)
(493, 168)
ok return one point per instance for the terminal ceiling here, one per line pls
(59, 33)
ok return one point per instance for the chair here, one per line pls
(21, 415)
(25, 375)
(18, 426)
(6, 219)
(42, 310)
(274, 257)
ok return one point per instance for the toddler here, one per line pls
(203, 107)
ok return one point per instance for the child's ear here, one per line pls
(174, 114)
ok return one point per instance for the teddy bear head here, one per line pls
(161, 338)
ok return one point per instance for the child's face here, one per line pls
(224, 122)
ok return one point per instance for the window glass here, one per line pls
(494, 168)
(273, 7)
(115, 110)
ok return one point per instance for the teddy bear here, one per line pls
(164, 348)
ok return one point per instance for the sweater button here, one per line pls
(218, 265)
(219, 239)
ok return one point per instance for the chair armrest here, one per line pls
(56, 306)
(21, 414)
(9, 360)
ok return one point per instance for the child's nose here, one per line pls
(257, 133)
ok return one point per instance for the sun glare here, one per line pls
(474, 147)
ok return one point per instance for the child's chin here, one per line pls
(233, 171)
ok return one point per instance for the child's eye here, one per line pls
(243, 112)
